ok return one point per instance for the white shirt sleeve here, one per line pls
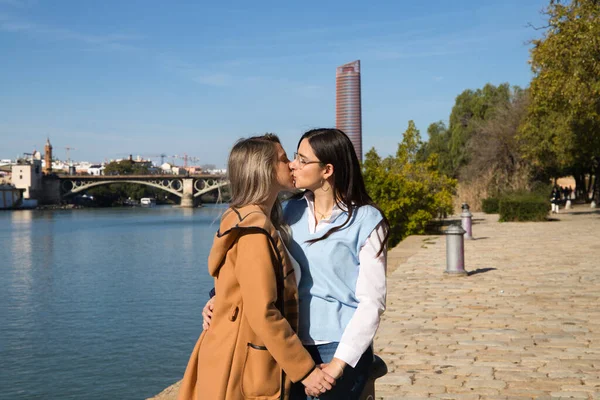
(371, 294)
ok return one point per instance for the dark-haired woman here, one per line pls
(339, 238)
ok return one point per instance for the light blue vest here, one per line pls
(329, 269)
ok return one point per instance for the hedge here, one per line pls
(523, 208)
(491, 205)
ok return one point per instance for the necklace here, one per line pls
(323, 216)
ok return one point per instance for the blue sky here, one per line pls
(146, 77)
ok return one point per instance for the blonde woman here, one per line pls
(252, 350)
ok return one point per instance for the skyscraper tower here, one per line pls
(48, 157)
(348, 112)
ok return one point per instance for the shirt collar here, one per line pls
(310, 200)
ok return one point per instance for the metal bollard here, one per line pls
(378, 369)
(466, 219)
(455, 251)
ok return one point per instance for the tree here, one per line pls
(410, 192)
(562, 129)
(208, 167)
(126, 167)
(470, 108)
(438, 143)
(495, 149)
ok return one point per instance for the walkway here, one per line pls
(525, 323)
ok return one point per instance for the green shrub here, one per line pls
(410, 192)
(523, 208)
(491, 205)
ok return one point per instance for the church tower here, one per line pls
(48, 157)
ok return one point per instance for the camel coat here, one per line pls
(251, 350)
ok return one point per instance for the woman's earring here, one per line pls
(323, 184)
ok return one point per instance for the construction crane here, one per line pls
(187, 158)
(161, 155)
(68, 149)
(27, 154)
(162, 158)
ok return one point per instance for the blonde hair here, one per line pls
(251, 173)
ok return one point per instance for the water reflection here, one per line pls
(45, 237)
(22, 241)
(188, 231)
(91, 296)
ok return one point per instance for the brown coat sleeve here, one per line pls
(256, 277)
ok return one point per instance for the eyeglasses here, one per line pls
(302, 162)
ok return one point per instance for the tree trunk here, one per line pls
(580, 187)
(590, 188)
(596, 190)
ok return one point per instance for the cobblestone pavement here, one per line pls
(524, 324)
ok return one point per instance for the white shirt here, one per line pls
(370, 288)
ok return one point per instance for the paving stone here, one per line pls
(421, 389)
(570, 395)
(456, 396)
(395, 380)
(512, 376)
(478, 383)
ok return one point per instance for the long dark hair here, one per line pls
(332, 146)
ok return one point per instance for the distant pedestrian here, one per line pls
(555, 199)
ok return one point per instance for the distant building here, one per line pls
(48, 157)
(27, 175)
(60, 167)
(5, 174)
(96, 169)
(10, 196)
(348, 112)
(193, 170)
(178, 171)
(216, 171)
(167, 168)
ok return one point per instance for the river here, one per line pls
(101, 303)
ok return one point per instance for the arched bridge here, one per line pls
(188, 188)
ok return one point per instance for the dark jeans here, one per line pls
(349, 386)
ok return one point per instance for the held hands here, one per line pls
(318, 382)
(207, 312)
(334, 369)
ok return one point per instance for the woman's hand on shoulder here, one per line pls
(207, 313)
